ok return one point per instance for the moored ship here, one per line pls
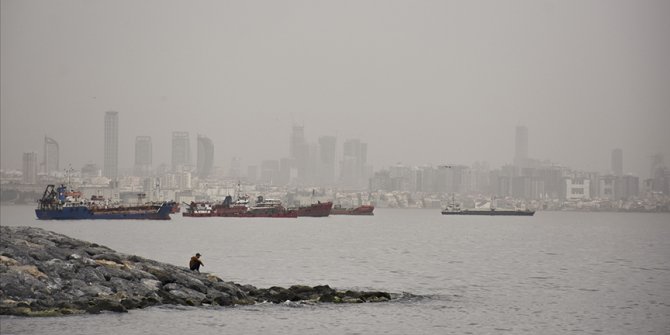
(360, 210)
(489, 211)
(455, 209)
(198, 209)
(319, 209)
(268, 208)
(59, 203)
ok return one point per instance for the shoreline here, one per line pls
(50, 274)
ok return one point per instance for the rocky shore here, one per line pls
(43, 273)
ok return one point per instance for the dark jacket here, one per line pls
(195, 263)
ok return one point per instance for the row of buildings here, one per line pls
(526, 178)
(543, 182)
(315, 165)
(306, 163)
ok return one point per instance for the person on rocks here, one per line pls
(195, 263)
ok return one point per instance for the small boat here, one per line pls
(360, 210)
(319, 209)
(59, 203)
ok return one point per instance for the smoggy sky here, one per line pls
(422, 82)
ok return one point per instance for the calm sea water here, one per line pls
(554, 273)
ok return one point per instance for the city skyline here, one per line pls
(420, 84)
(322, 168)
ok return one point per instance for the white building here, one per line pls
(577, 188)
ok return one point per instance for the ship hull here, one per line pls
(490, 213)
(286, 214)
(321, 209)
(244, 213)
(361, 210)
(84, 213)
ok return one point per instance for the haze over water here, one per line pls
(554, 273)
(427, 82)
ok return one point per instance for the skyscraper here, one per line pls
(181, 150)
(29, 167)
(299, 151)
(354, 161)
(111, 164)
(297, 141)
(617, 162)
(143, 156)
(205, 156)
(521, 146)
(50, 162)
(327, 148)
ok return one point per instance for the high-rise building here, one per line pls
(354, 161)
(205, 156)
(660, 175)
(297, 141)
(657, 165)
(327, 147)
(181, 150)
(143, 156)
(111, 165)
(29, 167)
(50, 162)
(299, 151)
(617, 162)
(521, 146)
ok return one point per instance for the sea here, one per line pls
(553, 273)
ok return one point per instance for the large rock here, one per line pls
(48, 274)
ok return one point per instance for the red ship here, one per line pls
(264, 208)
(360, 210)
(319, 209)
(232, 208)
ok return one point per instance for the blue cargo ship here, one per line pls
(63, 204)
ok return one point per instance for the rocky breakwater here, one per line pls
(48, 274)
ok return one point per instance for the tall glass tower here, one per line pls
(181, 150)
(111, 166)
(50, 155)
(617, 162)
(521, 146)
(143, 156)
(29, 167)
(205, 156)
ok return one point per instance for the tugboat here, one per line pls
(59, 203)
(454, 208)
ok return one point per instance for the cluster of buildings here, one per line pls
(345, 177)
(531, 183)
(195, 176)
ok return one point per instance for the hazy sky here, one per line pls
(422, 82)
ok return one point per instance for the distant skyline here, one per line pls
(419, 82)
